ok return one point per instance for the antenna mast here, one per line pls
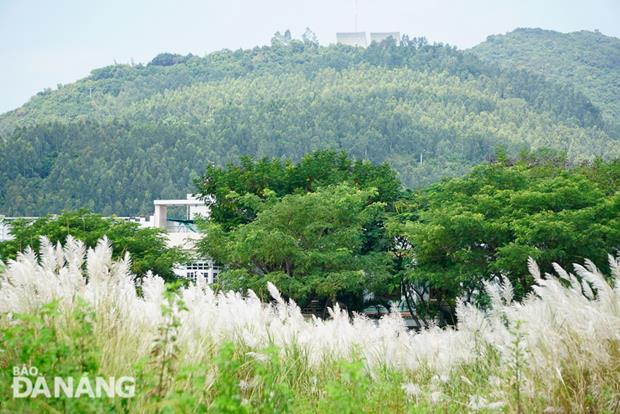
(356, 15)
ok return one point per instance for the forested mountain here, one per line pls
(125, 135)
(589, 61)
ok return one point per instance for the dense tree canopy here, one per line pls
(237, 192)
(311, 245)
(321, 234)
(128, 134)
(147, 246)
(586, 61)
(333, 229)
(314, 227)
(467, 230)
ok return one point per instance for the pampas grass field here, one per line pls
(71, 312)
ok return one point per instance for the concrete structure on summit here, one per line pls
(381, 36)
(357, 39)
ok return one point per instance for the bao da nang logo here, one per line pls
(29, 383)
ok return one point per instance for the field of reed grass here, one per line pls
(73, 313)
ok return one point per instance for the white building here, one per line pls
(182, 233)
(204, 268)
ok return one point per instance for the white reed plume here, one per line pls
(558, 323)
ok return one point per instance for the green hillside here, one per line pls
(125, 135)
(589, 61)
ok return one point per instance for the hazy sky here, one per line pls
(43, 43)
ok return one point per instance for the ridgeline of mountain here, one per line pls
(114, 141)
(587, 61)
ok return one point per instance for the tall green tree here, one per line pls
(464, 231)
(315, 227)
(311, 245)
